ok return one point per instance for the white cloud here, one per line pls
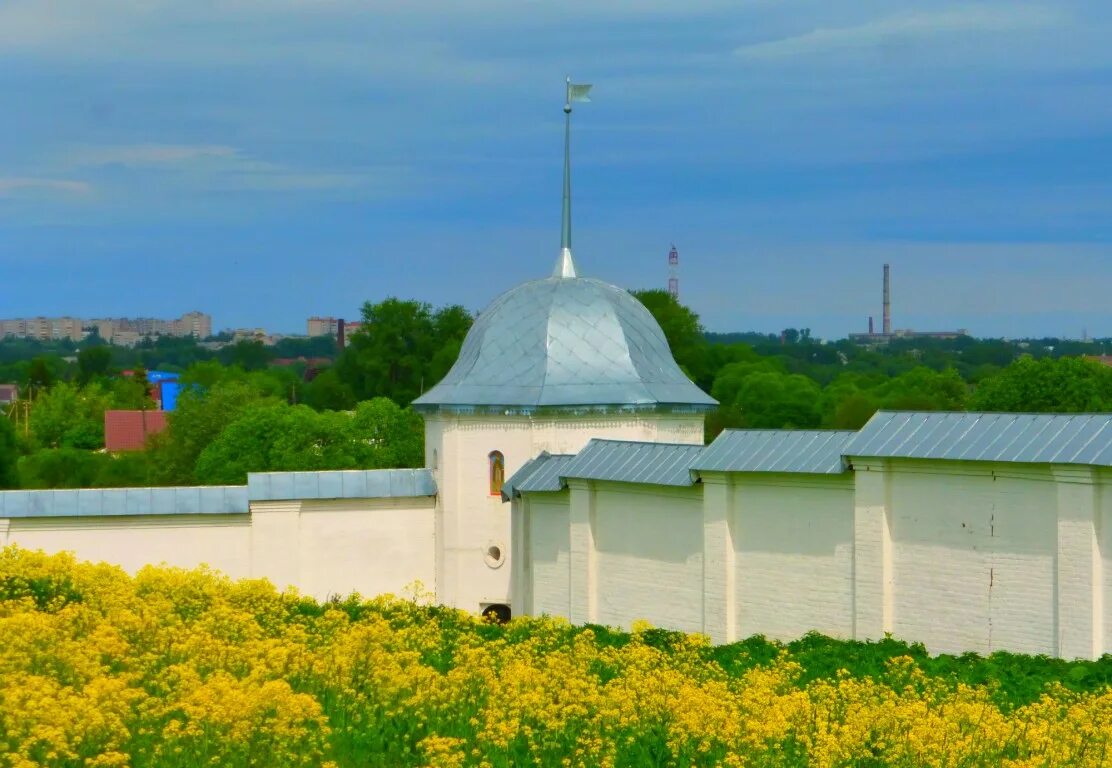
(905, 27)
(16, 186)
(151, 155)
(174, 168)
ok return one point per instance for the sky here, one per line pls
(268, 160)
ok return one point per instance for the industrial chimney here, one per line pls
(870, 325)
(886, 326)
(341, 341)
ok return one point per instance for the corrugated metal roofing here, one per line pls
(218, 499)
(632, 462)
(540, 474)
(110, 502)
(774, 450)
(1013, 437)
(563, 343)
(343, 484)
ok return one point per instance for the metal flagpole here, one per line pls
(565, 267)
(565, 229)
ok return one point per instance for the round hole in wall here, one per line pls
(498, 613)
(494, 556)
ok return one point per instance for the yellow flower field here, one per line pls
(186, 668)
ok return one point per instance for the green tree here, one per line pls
(771, 400)
(131, 393)
(207, 374)
(42, 373)
(60, 468)
(327, 393)
(922, 389)
(853, 411)
(93, 362)
(9, 455)
(247, 354)
(66, 416)
(681, 328)
(130, 469)
(274, 437)
(402, 349)
(1065, 385)
(201, 415)
(392, 436)
(731, 378)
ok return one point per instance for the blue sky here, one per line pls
(266, 160)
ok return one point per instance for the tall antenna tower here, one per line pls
(887, 318)
(674, 272)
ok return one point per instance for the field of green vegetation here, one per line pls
(186, 668)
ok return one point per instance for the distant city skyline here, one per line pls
(272, 162)
(119, 330)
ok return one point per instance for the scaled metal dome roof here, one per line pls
(565, 342)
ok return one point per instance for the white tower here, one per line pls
(547, 366)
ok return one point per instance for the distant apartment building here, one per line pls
(323, 326)
(15, 328)
(252, 334)
(43, 328)
(195, 324)
(122, 331)
(330, 326)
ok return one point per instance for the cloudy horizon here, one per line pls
(265, 162)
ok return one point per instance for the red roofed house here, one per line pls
(129, 430)
(9, 393)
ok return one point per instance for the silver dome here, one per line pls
(565, 342)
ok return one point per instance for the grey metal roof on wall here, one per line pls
(633, 462)
(218, 499)
(542, 473)
(1010, 437)
(776, 450)
(563, 342)
(109, 502)
(344, 484)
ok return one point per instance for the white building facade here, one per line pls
(548, 366)
(965, 532)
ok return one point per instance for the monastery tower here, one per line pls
(547, 366)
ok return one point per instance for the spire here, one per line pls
(565, 266)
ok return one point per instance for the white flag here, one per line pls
(578, 92)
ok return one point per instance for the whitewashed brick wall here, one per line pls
(222, 542)
(961, 556)
(649, 556)
(794, 555)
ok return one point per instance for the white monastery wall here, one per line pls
(649, 550)
(974, 556)
(961, 556)
(334, 547)
(1103, 602)
(545, 560)
(320, 546)
(471, 520)
(222, 542)
(793, 554)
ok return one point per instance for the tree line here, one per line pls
(239, 412)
